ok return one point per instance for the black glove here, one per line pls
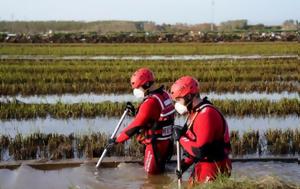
(130, 108)
(111, 143)
(177, 132)
(178, 173)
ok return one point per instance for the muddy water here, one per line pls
(104, 124)
(130, 176)
(289, 172)
(96, 98)
(152, 57)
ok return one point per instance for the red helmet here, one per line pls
(184, 86)
(140, 77)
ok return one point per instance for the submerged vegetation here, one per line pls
(63, 111)
(58, 146)
(35, 77)
(276, 142)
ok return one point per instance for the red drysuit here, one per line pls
(153, 124)
(207, 144)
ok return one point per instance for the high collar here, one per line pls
(158, 90)
(202, 102)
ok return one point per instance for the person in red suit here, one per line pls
(153, 123)
(205, 136)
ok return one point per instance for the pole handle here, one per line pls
(178, 149)
(112, 136)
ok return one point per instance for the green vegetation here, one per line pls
(58, 77)
(266, 182)
(265, 48)
(63, 111)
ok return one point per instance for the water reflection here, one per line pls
(97, 98)
(148, 57)
(105, 124)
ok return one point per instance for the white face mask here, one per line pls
(138, 93)
(180, 108)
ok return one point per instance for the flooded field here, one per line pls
(107, 124)
(96, 98)
(82, 138)
(63, 105)
(132, 176)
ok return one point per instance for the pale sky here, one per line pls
(160, 11)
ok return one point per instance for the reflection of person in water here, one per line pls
(153, 122)
(205, 137)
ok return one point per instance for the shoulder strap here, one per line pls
(197, 111)
(212, 106)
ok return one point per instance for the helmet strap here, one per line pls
(188, 101)
(147, 86)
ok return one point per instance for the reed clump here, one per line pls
(240, 108)
(57, 146)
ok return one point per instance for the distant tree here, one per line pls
(289, 25)
(232, 25)
(166, 28)
(205, 27)
(150, 27)
(139, 26)
(256, 27)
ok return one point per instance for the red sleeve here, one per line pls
(207, 126)
(149, 111)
